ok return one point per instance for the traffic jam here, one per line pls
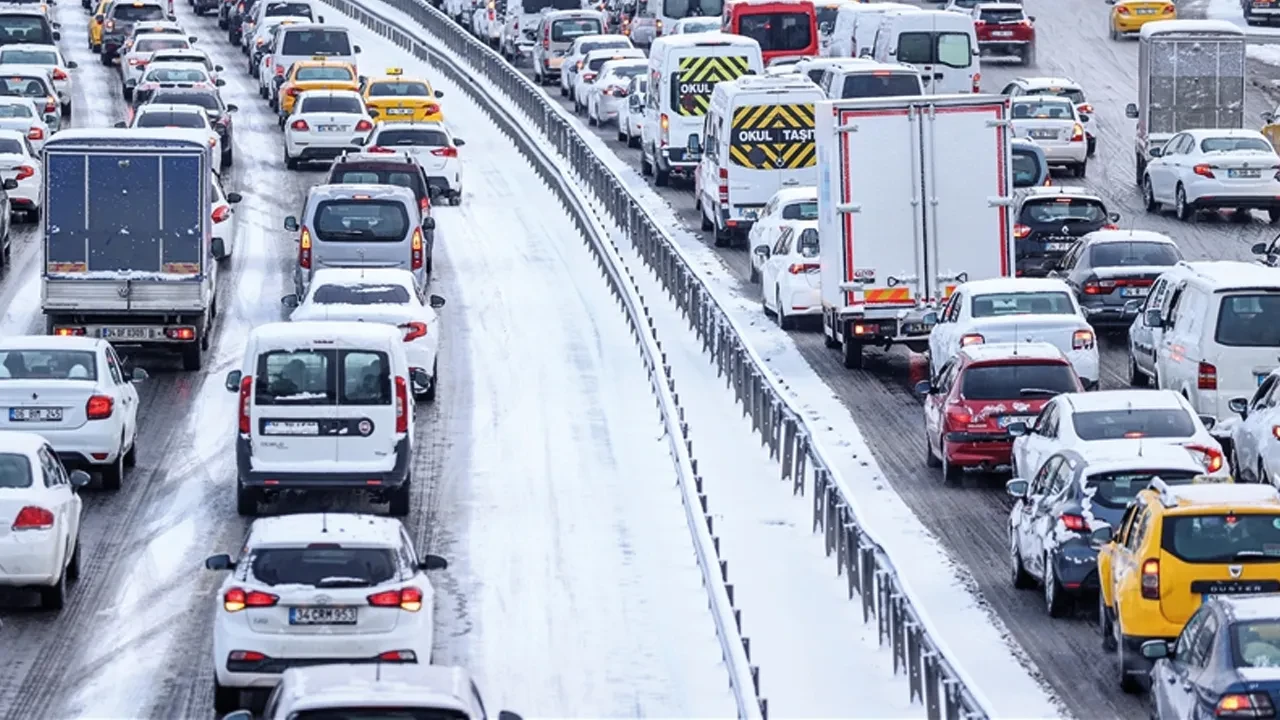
(1140, 497)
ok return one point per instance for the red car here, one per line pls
(1004, 29)
(979, 393)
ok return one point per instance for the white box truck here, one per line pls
(914, 197)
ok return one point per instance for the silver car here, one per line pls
(136, 59)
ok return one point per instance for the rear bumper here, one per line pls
(397, 476)
(1252, 202)
(96, 442)
(1110, 315)
(982, 450)
(30, 558)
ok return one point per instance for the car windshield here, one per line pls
(1075, 95)
(567, 30)
(1256, 643)
(1029, 169)
(15, 471)
(178, 75)
(1219, 537)
(1026, 303)
(427, 138)
(880, 83)
(380, 713)
(806, 210)
(1009, 381)
(1232, 144)
(402, 88)
(626, 72)
(315, 42)
(11, 146)
(406, 176)
(323, 565)
(29, 57)
(360, 295)
(14, 110)
(1001, 15)
(47, 365)
(24, 86)
(1065, 209)
(170, 119)
(1249, 320)
(361, 220)
(162, 43)
(1133, 423)
(135, 13)
(208, 101)
(1043, 110)
(1117, 489)
(339, 74)
(691, 8)
(777, 31)
(332, 104)
(1119, 254)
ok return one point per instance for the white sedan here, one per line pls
(1053, 123)
(432, 145)
(1008, 310)
(631, 119)
(592, 66)
(324, 125)
(20, 163)
(789, 274)
(224, 219)
(1255, 439)
(74, 392)
(607, 96)
(164, 115)
(1116, 421)
(340, 587)
(40, 505)
(787, 208)
(135, 61)
(173, 74)
(49, 56)
(385, 295)
(1213, 169)
(23, 115)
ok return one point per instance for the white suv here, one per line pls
(319, 588)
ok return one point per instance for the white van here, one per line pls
(943, 45)
(520, 22)
(683, 72)
(324, 406)
(556, 32)
(855, 27)
(866, 78)
(758, 139)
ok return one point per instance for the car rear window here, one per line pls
(777, 31)
(332, 104)
(1220, 538)
(403, 88)
(168, 119)
(360, 295)
(47, 365)
(134, 13)
(807, 210)
(340, 74)
(14, 110)
(1256, 643)
(1064, 210)
(24, 86)
(15, 471)
(1249, 321)
(880, 83)
(207, 101)
(1230, 144)
(9, 146)
(1012, 381)
(287, 10)
(407, 178)
(163, 57)
(1038, 303)
(1001, 15)
(1054, 109)
(379, 713)
(361, 220)
(1118, 489)
(309, 377)
(1131, 423)
(568, 29)
(179, 75)
(315, 42)
(323, 565)
(29, 57)
(1075, 95)
(431, 138)
(952, 49)
(366, 378)
(1119, 254)
(166, 43)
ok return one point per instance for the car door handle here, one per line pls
(1187, 687)
(937, 76)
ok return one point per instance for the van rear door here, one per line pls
(367, 408)
(294, 416)
(772, 147)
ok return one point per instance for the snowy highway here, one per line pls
(545, 478)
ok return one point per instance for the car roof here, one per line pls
(13, 134)
(999, 6)
(1015, 285)
(1041, 192)
(607, 37)
(1237, 497)
(1226, 275)
(1012, 351)
(301, 528)
(20, 441)
(1251, 607)
(180, 65)
(158, 36)
(1048, 81)
(390, 161)
(1109, 236)
(706, 40)
(32, 46)
(26, 69)
(178, 108)
(801, 194)
(1150, 456)
(193, 50)
(324, 686)
(345, 191)
(1201, 133)
(623, 53)
(49, 342)
(624, 62)
(340, 333)
(1124, 399)
(330, 93)
(364, 276)
(415, 124)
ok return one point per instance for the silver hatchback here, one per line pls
(360, 226)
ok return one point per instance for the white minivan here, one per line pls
(855, 28)
(943, 45)
(324, 405)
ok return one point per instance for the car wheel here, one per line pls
(930, 457)
(1181, 208)
(661, 178)
(1149, 195)
(646, 168)
(591, 117)
(54, 596)
(1055, 601)
(398, 500)
(246, 500)
(1273, 214)
(755, 271)
(633, 141)
(622, 137)
(192, 360)
(785, 321)
(1129, 684)
(1104, 625)
(707, 225)
(225, 699)
(113, 474)
(950, 473)
(430, 395)
(1018, 574)
(131, 457)
(1081, 169)
(73, 565)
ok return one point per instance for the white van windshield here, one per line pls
(935, 48)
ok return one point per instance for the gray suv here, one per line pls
(119, 19)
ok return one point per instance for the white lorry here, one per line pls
(914, 197)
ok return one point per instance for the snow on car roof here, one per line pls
(999, 6)
(1063, 190)
(1128, 236)
(1224, 494)
(1010, 351)
(1227, 275)
(699, 40)
(1253, 607)
(326, 686)
(1014, 285)
(1057, 82)
(18, 441)
(620, 53)
(1123, 400)
(302, 528)
(1041, 99)
(365, 276)
(47, 342)
(1151, 455)
(800, 194)
(1224, 132)
(339, 333)
(13, 135)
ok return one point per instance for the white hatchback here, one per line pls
(607, 96)
(1053, 123)
(319, 588)
(432, 145)
(631, 117)
(790, 284)
(787, 208)
(324, 125)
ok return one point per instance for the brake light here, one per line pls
(798, 268)
(1110, 226)
(1208, 377)
(402, 405)
(364, 126)
(292, 92)
(448, 152)
(958, 416)
(99, 407)
(977, 82)
(69, 331)
(268, 61)
(137, 62)
(213, 140)
(546, 39)
(1074, 523)
(1077, 133)
(407, 598)
(1122, 10)
(1021, 231)
(379, 149)
(424, 204)
(414, 330)
(1082, 340)
(1085, 108)
(300, 125)
(51, 105)
(1167, 10)
(1202, 170)
(246, 389)
(724, 184)
(26, 171)
(1099, 287)
(971, 339)
(415, 249)
(33, 518)
(59, 74)
(1151, 579)
(221, 213)
(1245, 705)
(1211, 457)
(588, 76)
(236, 599)
(579, 67)
(304, 249)
(109, 25)
(279, 71)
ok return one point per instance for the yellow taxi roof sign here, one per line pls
(1211, 479)
(395, 72)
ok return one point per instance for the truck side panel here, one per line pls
(126, 204)
(1196, 83)
(182, 214)
(67, 247)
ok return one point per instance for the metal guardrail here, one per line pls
(933, 679)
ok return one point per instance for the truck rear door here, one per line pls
(122, 226)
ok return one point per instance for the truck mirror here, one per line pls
(1131, 111)
(1156, 152)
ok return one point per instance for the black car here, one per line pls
(235, 21)
(218, 112)
(1112, 271)
(1049, 221)
(398, 169)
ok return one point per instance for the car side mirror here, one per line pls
(436, 302)
(1239, 406)
(439, 94)
(429, 223)
(356, 48)
(234, 197)
(1017, 488)
(924, 387)
(232, 382)
(138, 375)
(220, 83)
(320, 19)
(172, 18)
(1032, 18)
(1151, 318)
(57, 35)
(1111, 2)
(1131, 111)
(762, 251)
(1259, 249)
(78, 479)
(218, 68)
(1101, 534)
(1208, 421)
(1156, 152)
(290, 301)
(508, 715)
(291, 224)
(72, 64)
(238, 715)
(695, 143)
(192, 38)
(372, 113)
(1084, 118)
(233, 108)
(219, 562)
(1155, 649)
(1114, 217)
(433, 562)
(120, 124)
(459, 142)
(1017, 429)
(10, 184)
(420, 380)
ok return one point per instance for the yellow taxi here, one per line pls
(1175, 546)
(397, 98)
(1128, 16)
(316, 74)
(95, 25)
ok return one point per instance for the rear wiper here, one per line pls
(342, 582)
(1038, 391)
(349, 233)
(1250, 553)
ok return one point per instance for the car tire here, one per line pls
(1137, 378)
(430, 394)
(853, 355)
(950, 473)
(723, 237)
(1129, 684)
(225, 699)
(930, 457)
(1055, 598)
(398, 500)
(113, 474)
(708, 225)
(229, 158)
(1273, 215)
(1149, 195)
(262, 92)
(33, 216)
(1260, 476)
(591, 117)
(1181, 207)
(54, 597)
(1018, 574)
(131, 457)
(66, 110)
(73, 565)
(786, 322)
(105, 58)
(661, 178)
(1114, 35)
(1104, 625)
(246, 500)
(755, 271)
(646, 168)
(1080, 170)
(290, 163)
(192, 360)
(622, 137)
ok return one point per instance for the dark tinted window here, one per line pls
(15, 110)
(1038, 303)
(403, 88)
(1028, 168)
(323, 566)
(287, 10)
(777, 31)
(1116, 424)
(567, 30)
(361, 220)
(24, 86)
(691, 8)
(1256, 643)
(1046, 109)
(332, 103)
(29, 57)
(432, 138)
(1064, 210)
(588, 46)
(48, 365)
(1118, 489)
(379, 713)
(208, 101)
(881, 83)
(169, 119)
(801, 211)
(1008, 382)
(1220, 538)
(1229, 144)
(360, 295)
(315, 42)
(320, 72)
(407, 177)
(300, 377)
(1002, 15)
(15, 471)
(1250, 321)
(177, 75)
(165, 43)
(929, 48)
(133, 13)
(9, 146)
(827, 17)
(628, 71)
(600, 61)
(1074, 95)
(366, 378)
(533, 7)
(1116, 254)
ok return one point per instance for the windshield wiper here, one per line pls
(1038, 391)
(342, 582)
(349, 233)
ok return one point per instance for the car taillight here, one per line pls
(449, 152)
(300, 125)
(1110, 226)
(304, 249)
(1122, 10)
(1074, 523)
(799, 268)
(33, 518)
(1208, 377)
(236, 599)
(424, 204)
(267, 61)
(1211, 457)
(1151, 579)
(407, 598)
(1099, 287)
(1077, 133)
(1020, 231)
(51, 105)
(292, 92)
(1085, 108)
(213, 140)
(69, 331)
(1082, 340)
(99, 407)
(579, 66)
(1203, 170)
(1167, 10)
(971, 339)
(958, 416)
(137, 62)
(279, 71)
(59, 74)
(221, 213)
(977, 82)
(665, 124)
(402, 405)
(109, 25)
(414, 330)
(1245, 705)
(258, 42)
(26, 171)
(432, 109)
(724, 184)
(546, 37)
(246, 389)
(364, 126)
(379, 149)
(415, 249)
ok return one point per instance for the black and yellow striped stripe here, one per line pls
(773, 137)
(698, 77)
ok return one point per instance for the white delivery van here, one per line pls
(900, 228)
(867, 78)
(855, 28)
(758, 139)
(943, 45)
(683, 71)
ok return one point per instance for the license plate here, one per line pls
(129, 333)
(400, 111)
(1146, 11)
(1136, 292)
(750, 213)
(330, 128)
(1002, 33)
(322, 616)
(1044, 134)
(291, 427)
(1057, 246)
(1007, 420)
(916, 328)
(1244, 173)
(35, 414)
